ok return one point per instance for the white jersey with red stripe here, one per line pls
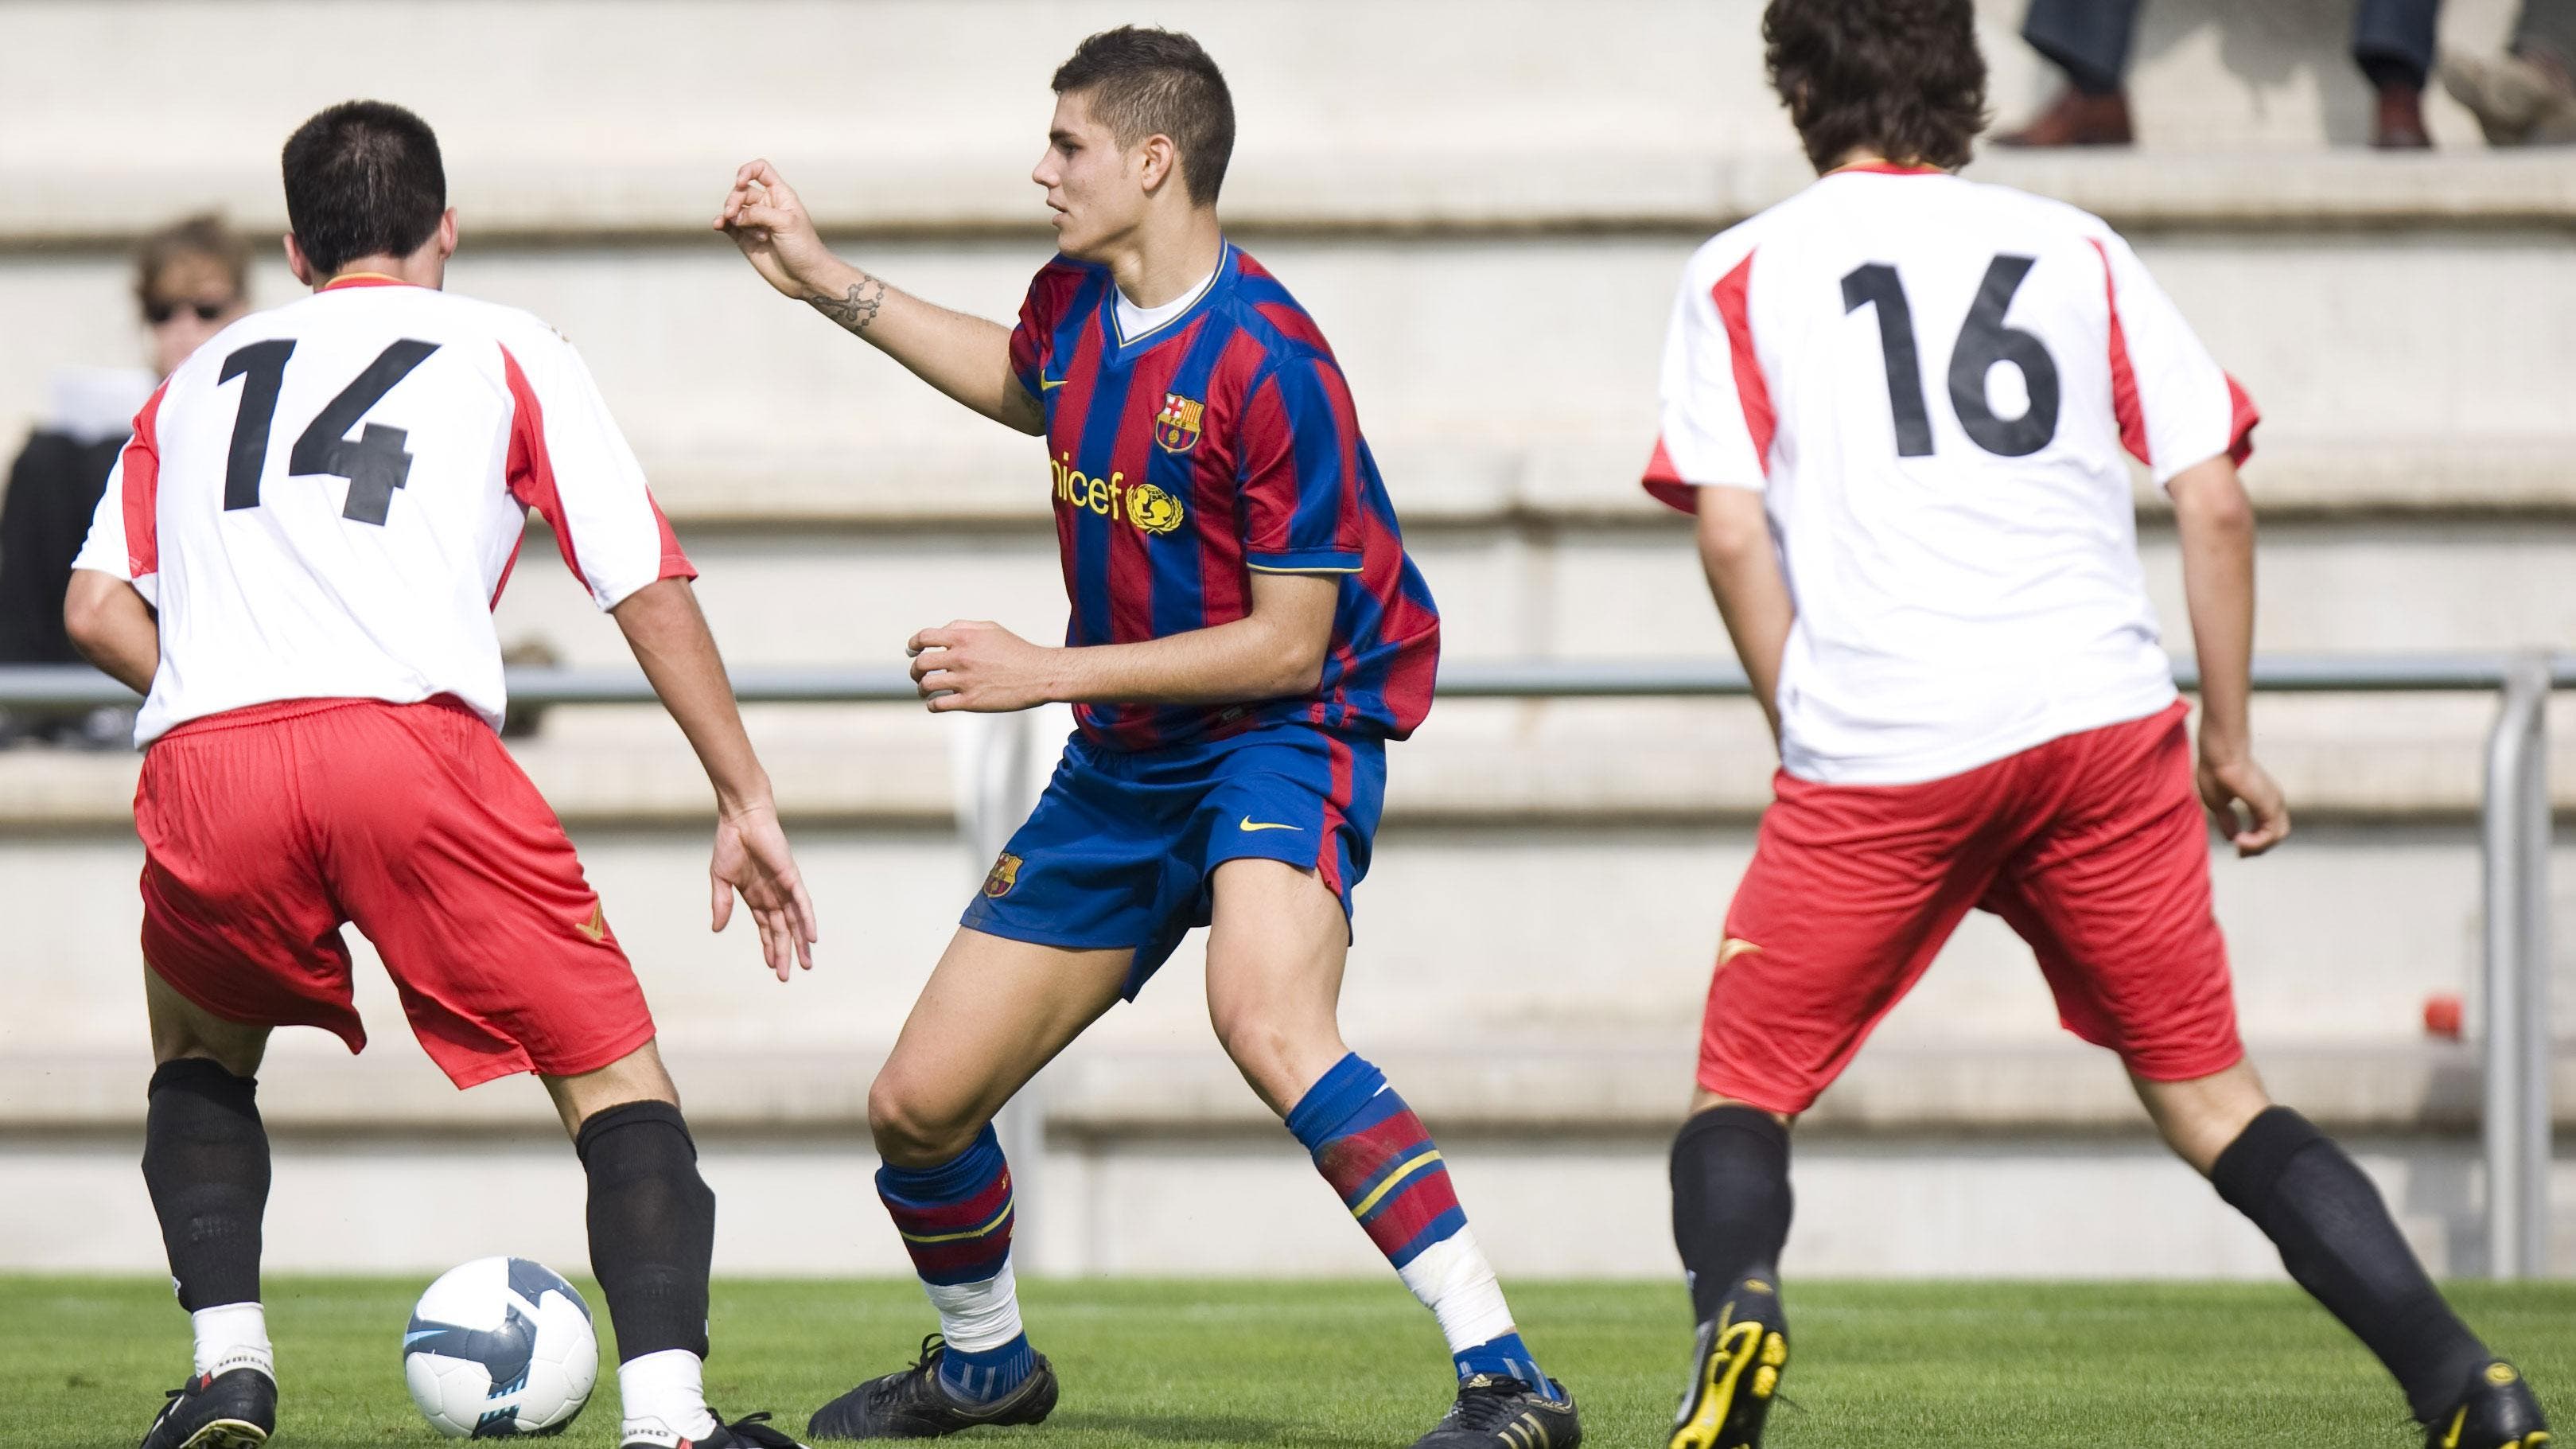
(1931, 381)
(325, 501)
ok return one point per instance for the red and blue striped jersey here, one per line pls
(1221, 443)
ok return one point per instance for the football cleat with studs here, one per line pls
(913, 1405)
(1497, 1412)
(232, 1410)
(2495, 1411)
(1736, 1366)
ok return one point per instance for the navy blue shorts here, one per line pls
(1122, 845)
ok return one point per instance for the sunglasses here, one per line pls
(158, 312)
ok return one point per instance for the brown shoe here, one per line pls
(2076, 119)
(2400, 126)
(2518, 101)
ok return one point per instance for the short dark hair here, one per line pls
(1900, 77)
(200, 237)
(1145, 82)
(363, 179)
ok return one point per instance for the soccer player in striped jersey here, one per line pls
(1246, 636)
(1898, 403)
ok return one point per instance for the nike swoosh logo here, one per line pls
(416, 1335)
(1049, 384)
(1248, 823)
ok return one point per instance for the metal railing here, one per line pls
(2515, 832)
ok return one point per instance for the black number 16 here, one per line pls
(1983, 341)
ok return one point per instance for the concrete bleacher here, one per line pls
(1487, 207)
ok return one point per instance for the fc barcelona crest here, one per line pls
(1176, 427)
(1005, 874)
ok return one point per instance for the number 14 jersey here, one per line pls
(1931, 382)
(324, 502)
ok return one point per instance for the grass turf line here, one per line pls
(1158, 1365)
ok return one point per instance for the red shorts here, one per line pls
(264, 829)
(2091, 846)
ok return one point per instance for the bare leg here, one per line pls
(637, 1076)
(2198, 1118)
(994, 1012)
(1276, 949)
(181, 1028)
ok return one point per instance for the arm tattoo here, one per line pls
(856, 310)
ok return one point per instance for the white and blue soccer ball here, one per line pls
(500, 1347)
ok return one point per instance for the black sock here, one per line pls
(2383, 71)
(1730, 1200)
(205, 1160)
(652, 1226)
(2339, 1243)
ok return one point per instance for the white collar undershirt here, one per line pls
(1134, 321)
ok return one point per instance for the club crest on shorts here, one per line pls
(1176, 427)
(1004, 875)
(1153, 509)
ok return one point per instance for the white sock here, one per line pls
(978, 1316)
(664, 1397)
(1454, 1281)
(234, 1335)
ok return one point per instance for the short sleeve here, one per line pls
(124, 530)
(1716, 418)
(2176, 406)
(569, 462)
(1300, 470)
(1032, 336)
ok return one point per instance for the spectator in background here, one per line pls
(2527, 96)
(2392, 42)
(189, 282)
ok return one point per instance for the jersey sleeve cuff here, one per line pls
(1663, 481)
(1305, 561)
(1682, 496)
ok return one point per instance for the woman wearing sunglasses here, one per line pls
(189, 283)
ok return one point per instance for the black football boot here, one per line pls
(1735, 1369)
(1497, 1412)
(2495, 1411)
(914, 1405)
(232, 1410)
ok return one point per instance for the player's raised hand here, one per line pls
(752, 857)
(2246, 802)
(977, 665)
(765, 218)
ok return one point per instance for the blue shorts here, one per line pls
(1121, 847)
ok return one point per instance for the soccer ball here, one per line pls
(500, 1347)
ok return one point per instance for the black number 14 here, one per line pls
(374, 462)
(1984, 340)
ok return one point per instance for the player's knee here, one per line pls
(1278, 1053)
(911, 1129)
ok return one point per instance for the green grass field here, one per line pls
(1357, 1365)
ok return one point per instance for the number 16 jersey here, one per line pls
(1931, 382)
(324, 502)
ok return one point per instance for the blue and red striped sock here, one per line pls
(956, 1223)
(1368, 1144)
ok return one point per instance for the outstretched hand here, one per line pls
(751, 856)
(765, 218)
(2247, 804)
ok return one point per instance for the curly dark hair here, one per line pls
(1902, 78)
